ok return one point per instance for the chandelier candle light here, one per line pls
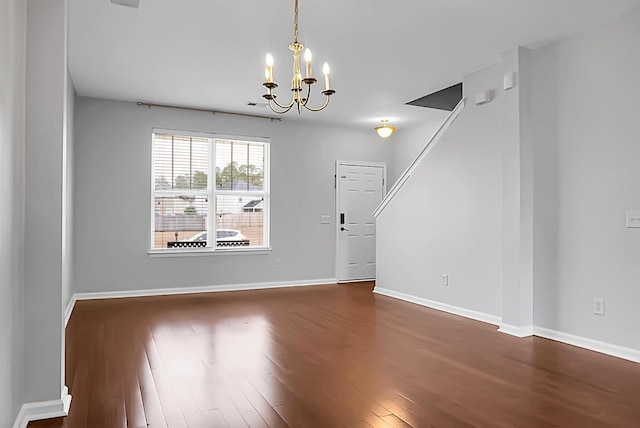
(297, 99)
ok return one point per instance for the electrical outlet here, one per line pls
(278, 264)
(598, 306)
(445, 279)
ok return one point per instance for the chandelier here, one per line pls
(298, 99)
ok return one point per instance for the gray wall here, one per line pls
(545, 118)
(12, 93)
(46, 92)
(556, 199)
(447, 219)
(514, 119)
(587, 110)
(112, 221)
(406, 143)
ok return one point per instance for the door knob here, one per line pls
(342, 229)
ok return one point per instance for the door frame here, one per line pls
(383, 165)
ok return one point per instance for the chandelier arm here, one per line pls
(286, 109)
(288, 106)
(326, 102)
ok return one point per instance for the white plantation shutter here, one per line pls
(195, 175)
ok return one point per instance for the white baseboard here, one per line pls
(69, 310)
(591, 344)
(190, 290)
(467, 313)
(43, 410)
(516, 331)
(581, 342)
(349, 281)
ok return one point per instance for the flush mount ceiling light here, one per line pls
(297, 98)
(385, 130)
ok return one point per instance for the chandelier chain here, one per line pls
(295, 21)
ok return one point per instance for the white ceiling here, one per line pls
(210, 53)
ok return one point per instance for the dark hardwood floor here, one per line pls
(326, 356)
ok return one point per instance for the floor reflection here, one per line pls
(241, 344)
(326, 356)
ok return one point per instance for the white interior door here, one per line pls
(359, 190)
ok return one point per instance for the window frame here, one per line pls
(211, 192)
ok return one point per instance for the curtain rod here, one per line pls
(140, 103)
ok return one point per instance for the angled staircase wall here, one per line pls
(455, 216)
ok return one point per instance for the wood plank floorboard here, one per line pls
(326, 356)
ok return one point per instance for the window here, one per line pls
(196, 175)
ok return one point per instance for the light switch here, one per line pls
(633, 218)
(325, 219)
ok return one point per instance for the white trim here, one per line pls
(591, 344)
(456, 310)
(579, 341)
(431, 143)
(347, 281)
(362, 163)
(212, 192)
(43, 410)
(212, 135)
(513, 330)
(152, 188)
(203, 289)
(69, 310)
(206, 251)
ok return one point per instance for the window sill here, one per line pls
(208, 252)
